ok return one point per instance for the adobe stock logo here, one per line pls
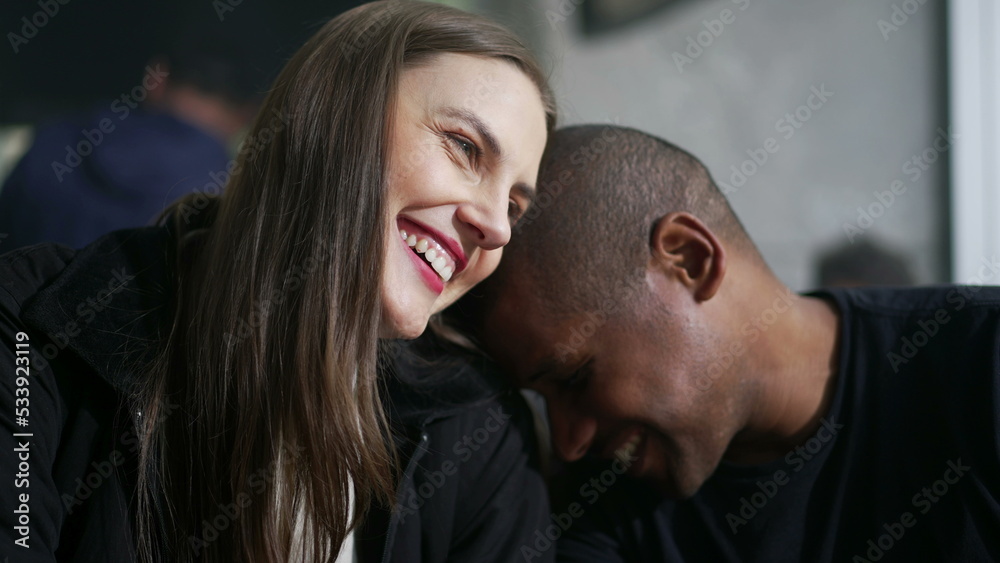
(913, 168)
(223, 7)
(753, 503)
(787, 125)
(30, 26)
(704, 39)
(564, 10)
(923, 501)
(900, 15)
(928, 327)
(545, 540)
(751, 332)
(92, 138)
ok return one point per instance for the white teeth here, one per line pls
(435, 255)
(440, 265)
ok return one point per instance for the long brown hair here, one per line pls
(262, 417)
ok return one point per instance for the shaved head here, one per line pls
(627, 298)
(602, 189)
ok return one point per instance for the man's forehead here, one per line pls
(526, 339)
(512, 315)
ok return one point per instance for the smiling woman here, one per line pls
(466, 144)
(243, 353)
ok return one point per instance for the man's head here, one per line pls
(210, 80)
(614, 300)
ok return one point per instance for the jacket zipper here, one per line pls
(411, 468)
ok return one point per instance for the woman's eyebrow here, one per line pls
(472, 120)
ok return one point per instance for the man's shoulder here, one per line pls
(904, 301)
(953, 308)
(936, 331)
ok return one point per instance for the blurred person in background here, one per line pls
(863, 263)
(122, 163)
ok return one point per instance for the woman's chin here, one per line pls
(406, 327)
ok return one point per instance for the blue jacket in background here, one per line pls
(110, 169)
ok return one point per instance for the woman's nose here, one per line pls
(488, 222)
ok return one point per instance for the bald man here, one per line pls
(713, 414)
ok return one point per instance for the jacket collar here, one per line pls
(429, 382)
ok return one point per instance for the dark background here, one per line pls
(94, 50)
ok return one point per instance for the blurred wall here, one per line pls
(874, 129)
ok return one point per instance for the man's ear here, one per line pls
(682, 246)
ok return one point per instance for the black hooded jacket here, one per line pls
(76, 329)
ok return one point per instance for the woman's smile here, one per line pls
(436, 256)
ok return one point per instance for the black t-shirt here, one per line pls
(905, 467)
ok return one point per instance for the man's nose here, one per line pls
(572, 431)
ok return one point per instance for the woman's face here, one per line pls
(467, 140)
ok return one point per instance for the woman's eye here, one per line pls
(514, 211)
(464, 145)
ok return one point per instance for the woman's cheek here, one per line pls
(487, 263)
(481, 265)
